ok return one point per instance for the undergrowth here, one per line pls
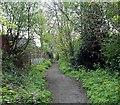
(100, 85)
(26, 86)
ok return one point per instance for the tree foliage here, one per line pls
(86, 23)
(20, 15)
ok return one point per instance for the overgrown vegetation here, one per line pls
(101, 85)
(111, 51)
(83, 33)
(25, 85)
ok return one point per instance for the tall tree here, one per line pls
(21, 14)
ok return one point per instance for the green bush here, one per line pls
(47, 63)
(28, 87)
(8, 94)
(101, 86)
(111, 51)
(64, 66)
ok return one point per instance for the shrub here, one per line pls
(111, 51)
(47, 63)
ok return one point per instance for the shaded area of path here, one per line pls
(63, 88)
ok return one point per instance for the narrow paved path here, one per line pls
(63, 88)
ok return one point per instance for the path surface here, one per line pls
(64, 89)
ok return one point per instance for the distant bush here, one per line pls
(64, 66)
(47, 64)
(100, 85)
